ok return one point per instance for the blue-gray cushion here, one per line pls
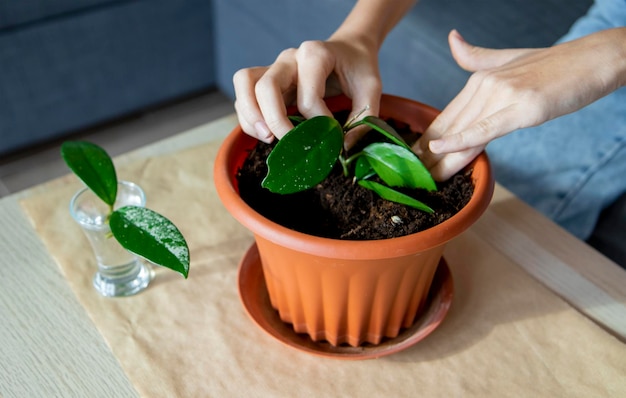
(14, 13)
(68, 73)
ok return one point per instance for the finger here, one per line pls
(452, 163)
(465, 117)
(365, 102)
(479, 133)
(460, 110)
(271, 89)
(247, 109)
(315, 64)
(473, 58)
(365, 97)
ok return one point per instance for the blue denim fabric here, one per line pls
(574, 166)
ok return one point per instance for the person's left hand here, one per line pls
(516, 88)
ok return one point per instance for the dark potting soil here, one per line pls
(340, 209)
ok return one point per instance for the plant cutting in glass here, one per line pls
(305, 156)
(138, 229)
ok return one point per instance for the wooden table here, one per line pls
(50, 347)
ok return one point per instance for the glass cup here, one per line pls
(120, 272)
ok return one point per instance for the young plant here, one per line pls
(306, 155)
(138, 229)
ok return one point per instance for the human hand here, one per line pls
(305, 76)
(518, 88)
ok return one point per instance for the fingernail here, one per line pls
(436, 146)
(458, 35)
(263, 132)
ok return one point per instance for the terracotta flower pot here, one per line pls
(342, 291)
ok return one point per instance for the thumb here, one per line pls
(473, 58)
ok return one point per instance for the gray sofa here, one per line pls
(70, 64)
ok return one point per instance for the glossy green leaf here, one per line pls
(395, 196)
(152, 236)
(305, 156)
(93, 166)
(362, 169)
(398, 166)
(382, 127)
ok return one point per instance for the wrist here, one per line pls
(621, 55)
(609, 47)
(357, 38)
(371, 20)
(600, 59)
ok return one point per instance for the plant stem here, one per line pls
(345, 163)
(353, 158)
(344, 166)
(348, 124)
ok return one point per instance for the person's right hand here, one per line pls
(304, 76)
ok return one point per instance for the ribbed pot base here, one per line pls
(255, 299)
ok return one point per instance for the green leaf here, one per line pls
(398, 166)
(362, 169)
(152, 236)
(382, 127)
(93, 166)
(395, 196)
(296, 119)
(304, 156)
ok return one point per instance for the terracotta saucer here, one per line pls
(255, 299)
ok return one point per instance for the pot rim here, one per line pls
(227, 162)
